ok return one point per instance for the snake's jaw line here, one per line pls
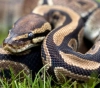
(15, 47)
(13, 50)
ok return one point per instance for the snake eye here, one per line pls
(30, 35)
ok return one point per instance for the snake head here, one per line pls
(29, 31)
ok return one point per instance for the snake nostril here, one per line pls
(15, 41)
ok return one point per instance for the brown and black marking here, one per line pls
(58, 51)
(28, 64)
(83, 7)
(59, 54)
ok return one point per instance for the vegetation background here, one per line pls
(11, 11)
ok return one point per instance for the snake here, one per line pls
(55, 32)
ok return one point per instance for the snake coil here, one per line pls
(59, 50)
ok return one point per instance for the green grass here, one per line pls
(45, 82)
(98, 1)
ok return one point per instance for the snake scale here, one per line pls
(58, 28)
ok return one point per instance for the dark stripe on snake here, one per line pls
(55, 62)
(41, 34)
(35, 35)
(51, 40)
(68, 50)
(31, 59)
(81, 2)
(51, 12)
(44, 2)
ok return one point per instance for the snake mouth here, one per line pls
(17, 49)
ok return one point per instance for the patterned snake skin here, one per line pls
(32, 61)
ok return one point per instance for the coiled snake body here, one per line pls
(59, 48)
